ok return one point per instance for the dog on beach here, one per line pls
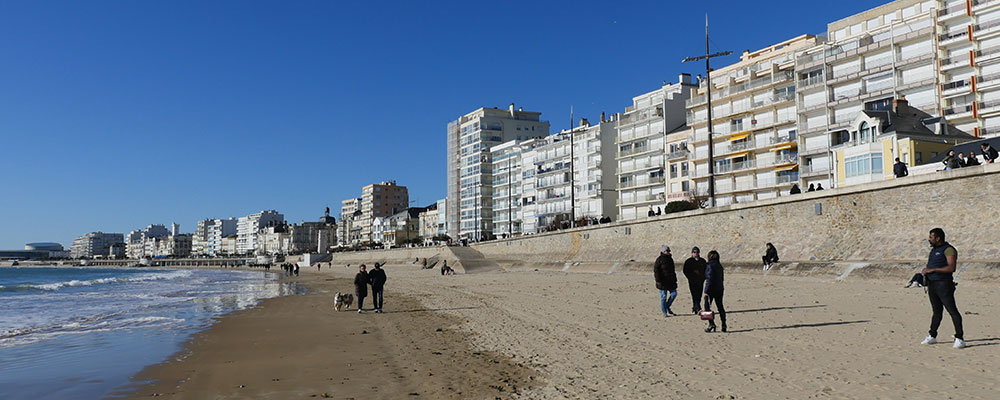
(342, 301)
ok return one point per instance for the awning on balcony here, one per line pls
(787, 167)
(740, 154)
(738, 136)
(783, 147)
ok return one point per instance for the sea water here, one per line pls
(80, 333)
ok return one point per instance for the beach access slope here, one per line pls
(875, 230)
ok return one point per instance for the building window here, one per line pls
(864, 133)
(866, 164)
(673, 171)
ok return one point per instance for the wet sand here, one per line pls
(300, 347)
(537, 334)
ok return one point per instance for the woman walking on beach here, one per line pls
(361, 286)
(714, 288)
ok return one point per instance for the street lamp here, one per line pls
(708, 98)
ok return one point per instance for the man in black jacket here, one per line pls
(899, 169)
(694, 270)
(666, 280)
(989, 153)
(361, 286)
(377, 278)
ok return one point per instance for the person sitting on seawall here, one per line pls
(951, 161)
(714, 289)
(770, 257)
(795, 189)
(971, 160)
(989, 153)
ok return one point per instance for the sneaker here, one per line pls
(929, 340)
(671, 313)
(959, 344)
(359, 311)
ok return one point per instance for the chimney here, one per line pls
(685, 79)
(512, 110)
(584, 122)
(602, 116)
(900, 106)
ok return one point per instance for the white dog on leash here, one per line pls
(342, 301)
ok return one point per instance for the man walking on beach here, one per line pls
(361, 286)
(666, 280)
(377, 278)
(694, 270)
(941, 286)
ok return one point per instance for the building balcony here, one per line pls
(678, 154)
(638, 151)
(814, 170)
(637, 168)
(641, 200)
(637, 184)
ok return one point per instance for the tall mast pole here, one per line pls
(708, 97)
(572, 173)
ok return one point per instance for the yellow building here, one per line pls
(866, 150)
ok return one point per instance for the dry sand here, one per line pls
(577, 335)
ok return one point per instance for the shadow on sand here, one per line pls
(796, 326)
(776, 309)
(432, 309)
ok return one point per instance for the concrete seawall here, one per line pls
(876, 230)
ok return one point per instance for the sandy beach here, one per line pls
(538, 334)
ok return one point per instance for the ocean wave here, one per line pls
(155, 276)
(103, 323)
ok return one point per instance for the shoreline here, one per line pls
(299, 346)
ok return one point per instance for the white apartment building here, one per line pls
(469, 177)
(754, 138)
(579, 183)
(350, 214)
(678, 175)
(142, 242)
(510, 178)
(248, 227)
(870, 59)
(968, 43)
(95, 244)
(641, 146)
(208, 235)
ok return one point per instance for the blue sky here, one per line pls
(118, 114)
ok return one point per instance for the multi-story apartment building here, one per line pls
(142, 242)
(470, 138)
(969, 46)
(178, 245)
(511, 175)
(678, 168)
(350, 215)
(95, 244)
(641, 145)
(247, 229)
(579, 183)
(754, 125)
(870, 59)
(207, 237)
(381, 200)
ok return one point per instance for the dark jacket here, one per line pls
(377, 277)
(361, 284)
(899, 169)
(971, 161)
(694, 269)
(771, 254)
(952, 162)
(714, 277)
(664, 273)
(990, 154)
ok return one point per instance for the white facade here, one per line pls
(469, 178)
(207, 238)
(641, 146)
(95, 244)
(143, 243)
(247, 229)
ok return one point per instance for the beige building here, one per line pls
(678, 168)
(754, 147)
(381, 200)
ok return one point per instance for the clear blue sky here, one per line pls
(118, 114)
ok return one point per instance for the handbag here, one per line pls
(707, 315)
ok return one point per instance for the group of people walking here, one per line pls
(376, 279)
(705, 280)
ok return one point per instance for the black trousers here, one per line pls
(717, 298)
(696, 286)
(942, 295)
(361, 299)
(377, 298)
